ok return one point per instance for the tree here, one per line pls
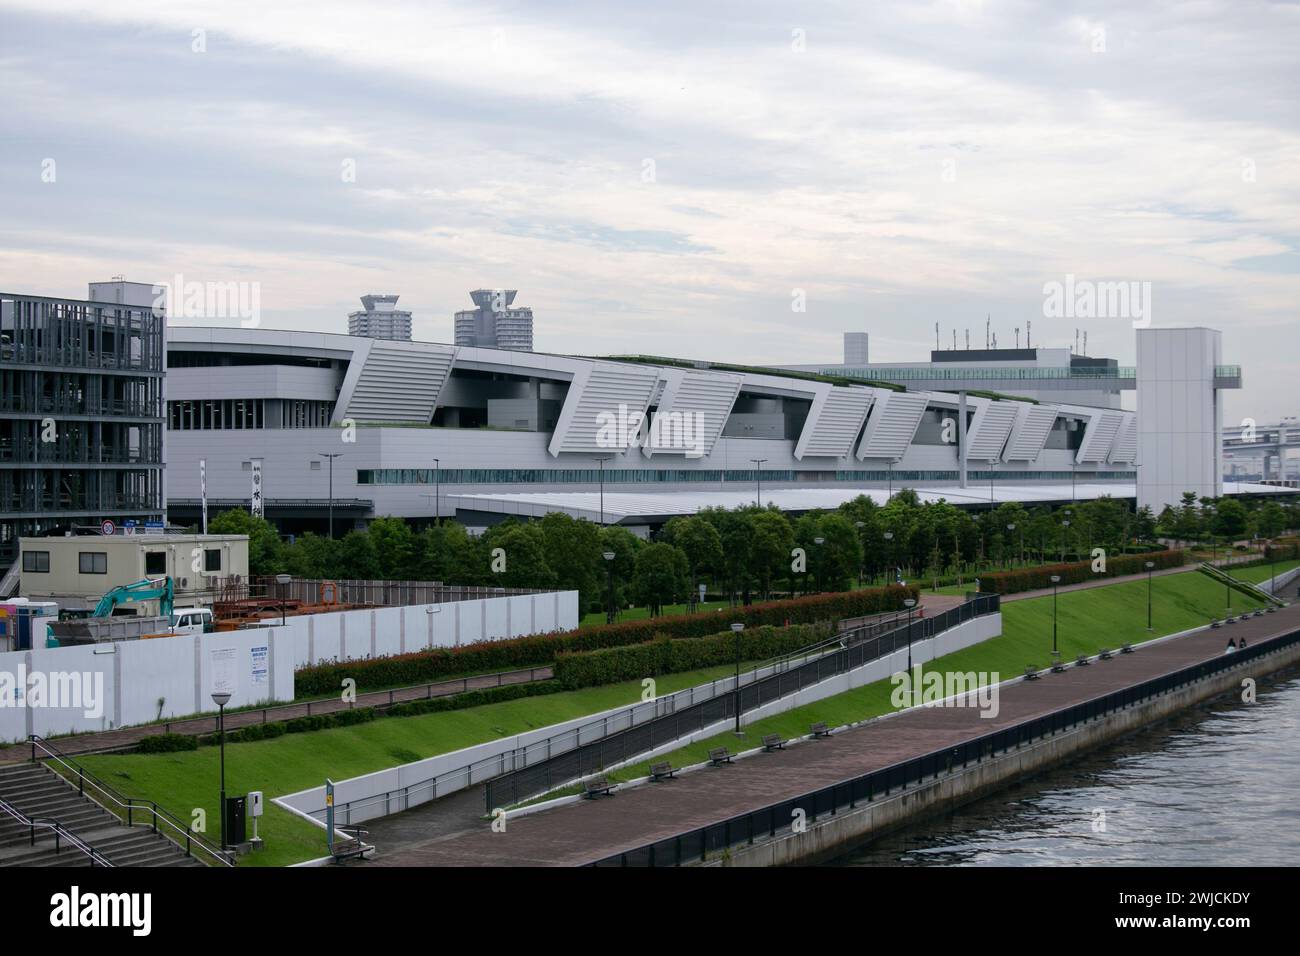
(841, 555)
(521, 560)
(699, 540)
(312, 557)
(395, 548)
(659, 577)
(625, 546)
(572, 549)
(771, 541)
(1269, 520)
(357, 558)
(1230, 519)
(265, 552)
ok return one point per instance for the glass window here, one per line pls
(155, 562)
(93, 562)
(36, 561)
(212, 559)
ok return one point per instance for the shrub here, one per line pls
(1077, 572)
(667, 656)
(167, 743)
(541, 649)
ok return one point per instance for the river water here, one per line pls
(1216, 785)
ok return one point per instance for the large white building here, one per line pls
(420, 427)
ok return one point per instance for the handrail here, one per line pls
(132, 804)
(59, 831)
(696, 844)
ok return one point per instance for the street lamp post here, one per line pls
(609, 568)
(1056, 579)
(889, 551)
(1065, 527)
(221, 699)
(437, 492)
(909, 603)
(1012, 528)
(863, 557)
(817, 578)
(736, 629)
(1149, 566)
(602, 461)
(758, 477)
(331, 456)
(891, 483)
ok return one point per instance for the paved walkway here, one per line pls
(581, 832)
(128, 736)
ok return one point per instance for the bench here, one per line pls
(1127, 648)
(596, 787)
(661, 771)
(773, 742)
(1081, 661)
(1106, 654)
(350, 847)
(819, 729)
(719, 755)
(1031, 672)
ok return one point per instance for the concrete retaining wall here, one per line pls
(831, 836)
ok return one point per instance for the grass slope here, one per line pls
(185, 781)
(1088, 620)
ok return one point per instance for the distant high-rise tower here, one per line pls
(855, 348)
(495, 324)
(381, 319)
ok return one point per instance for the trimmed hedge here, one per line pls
(1077, 572)
(167, 743)
(361, 715)
(666, 656)
(540, 649)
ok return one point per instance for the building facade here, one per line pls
(82, 392)
(380, 318)
(495, 322)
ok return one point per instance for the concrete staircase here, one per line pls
(38, 792)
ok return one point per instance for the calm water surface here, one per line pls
(1218, 785)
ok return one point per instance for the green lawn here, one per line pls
(1262, 572)
(641, 613)
(186, 780)
(1088, 620)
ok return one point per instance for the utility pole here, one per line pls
(331, 456)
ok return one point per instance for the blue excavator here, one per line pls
(150, 589)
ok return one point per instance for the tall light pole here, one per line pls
(221, 699)
(891, 483)
(331, 456)
(862, 559)
(609, 603)
(1011, 527)
(758, 477)
(736, 629)
(817, 578)
(602, 460)
(1056, 579)
(889, 536)
(909, 603)
(437, 492)
(1065, 528)
(1149, 566)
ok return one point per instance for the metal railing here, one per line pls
(61, 834)
(844, 652)
(696, 845)
(381, 593)
(130, 809)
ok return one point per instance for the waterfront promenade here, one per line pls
(581, 832)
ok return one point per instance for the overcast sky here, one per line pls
(663, 177)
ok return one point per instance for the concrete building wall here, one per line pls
(1180, 418)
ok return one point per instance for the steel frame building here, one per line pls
(81, 432)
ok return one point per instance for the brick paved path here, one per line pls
(588, 830)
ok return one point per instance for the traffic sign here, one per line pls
(107, 527)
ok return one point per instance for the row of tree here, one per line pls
(745, 553)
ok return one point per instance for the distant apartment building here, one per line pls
(855, 348)
(495, 323)
(380, 319)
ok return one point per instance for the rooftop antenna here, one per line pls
(1085, 342)
(1076, 341)
(968, 340)
(1017, 336)
(954, 340)
(936, 336)
(1028, 326)
(988, 322)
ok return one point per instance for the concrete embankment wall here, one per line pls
(831, 836)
